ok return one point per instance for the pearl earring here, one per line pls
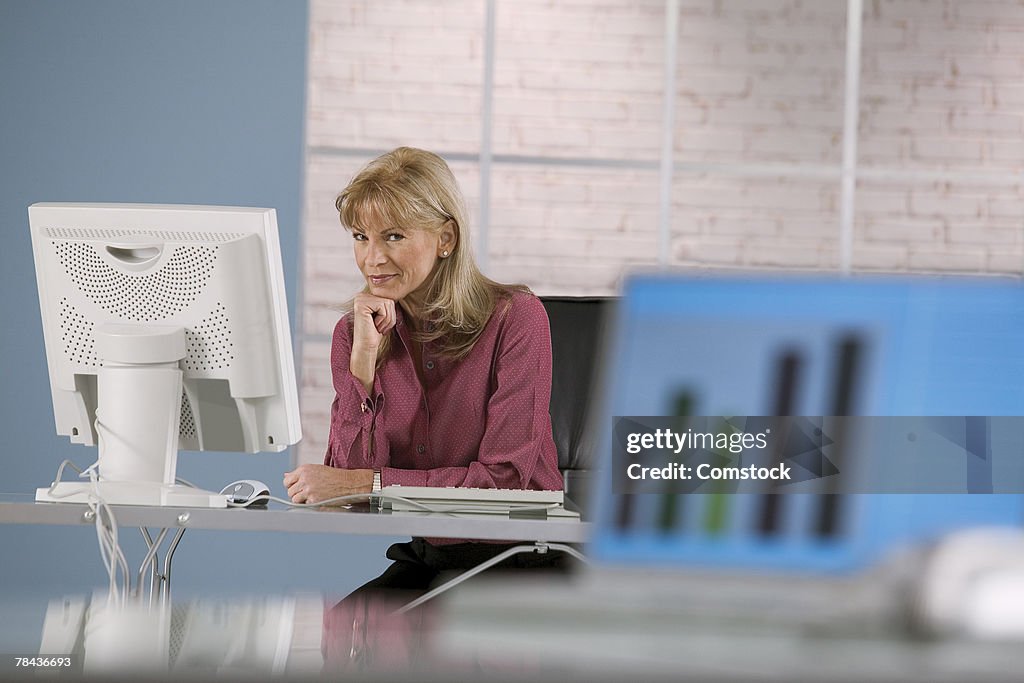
(444, 254)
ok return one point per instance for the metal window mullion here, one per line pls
(668, 132)
(486, 115)
(848, 183)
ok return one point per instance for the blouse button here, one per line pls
(420, 448)
(430, 365)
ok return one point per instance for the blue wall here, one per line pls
(169, 102)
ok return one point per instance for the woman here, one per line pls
(442, 376)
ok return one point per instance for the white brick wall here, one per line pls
(572, 230)
(758, 137)
(574, 80)
(756, 222)
(383, 73)
(316, 396)
(940, 226)
(945, 96)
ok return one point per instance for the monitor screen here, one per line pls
(166, 327)
(736, 346)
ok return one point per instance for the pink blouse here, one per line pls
(481, 421)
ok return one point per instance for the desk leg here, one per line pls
(159, 584)
(153, 577)
(165, 594)
(538, 547)
(149, 560)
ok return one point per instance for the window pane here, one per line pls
(579, 79)
(571, 230)
(760, 82)
(755, 222)
(384, 73)
(941, 147)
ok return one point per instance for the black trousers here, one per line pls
(364, 631)
(419, 566)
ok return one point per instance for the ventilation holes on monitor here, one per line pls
(57, 233)
(77, 338)
(139, 298)
(187, 430)
(208, 346)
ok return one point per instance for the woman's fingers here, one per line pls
(374, 317)
(293, 486)
(385, 319)
(313, 483)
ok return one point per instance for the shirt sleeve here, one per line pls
(517, 435)
(355, 413)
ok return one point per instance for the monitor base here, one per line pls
(132, 493)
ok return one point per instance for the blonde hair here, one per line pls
(415, 189)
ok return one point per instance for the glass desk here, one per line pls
(301, 614)
(358, 519)
(22, 509)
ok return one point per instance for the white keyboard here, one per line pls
(473, 500)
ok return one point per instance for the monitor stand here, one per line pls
(137, 419)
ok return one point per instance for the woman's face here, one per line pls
(395, 261)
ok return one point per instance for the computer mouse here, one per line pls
(247, 493)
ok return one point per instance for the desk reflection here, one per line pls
(281, 637)
(259, 636)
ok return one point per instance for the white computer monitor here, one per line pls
(166, 327)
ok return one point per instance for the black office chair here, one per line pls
(577, 334)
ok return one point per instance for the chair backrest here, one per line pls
(577, 333)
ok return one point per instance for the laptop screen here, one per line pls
(693, 347)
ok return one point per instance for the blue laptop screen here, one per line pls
(714, 346)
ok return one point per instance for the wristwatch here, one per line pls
(375, 491)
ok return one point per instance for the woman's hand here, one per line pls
(373, 317)
(316, 483)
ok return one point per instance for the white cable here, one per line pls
(106, 528)
(107, 535)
